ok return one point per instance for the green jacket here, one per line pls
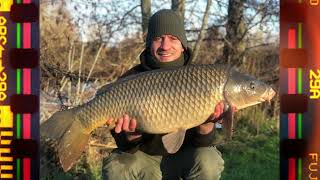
(150, 143)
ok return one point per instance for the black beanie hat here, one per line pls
(166, 21)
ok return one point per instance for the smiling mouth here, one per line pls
(164, 54)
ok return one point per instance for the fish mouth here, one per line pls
(267, 96)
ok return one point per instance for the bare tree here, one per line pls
(178, 6)
(57, 33)
(202, 31)
(145, 14)
(235, 28)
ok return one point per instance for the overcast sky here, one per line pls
(192, 21)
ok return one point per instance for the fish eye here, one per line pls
(252, 85)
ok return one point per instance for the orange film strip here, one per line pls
(300, 88)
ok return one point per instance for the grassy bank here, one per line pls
(251, 156)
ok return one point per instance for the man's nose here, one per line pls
(165, 43)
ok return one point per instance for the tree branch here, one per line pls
(201, 34)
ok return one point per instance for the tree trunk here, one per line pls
(234, 45)
(178, 6)
(202, 30)
(145, 14)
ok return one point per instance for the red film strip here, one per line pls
(19, 102)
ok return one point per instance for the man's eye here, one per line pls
(173, 38)
(157, 39)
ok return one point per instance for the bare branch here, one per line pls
(201, 34)
(145, 13)
(178, 6)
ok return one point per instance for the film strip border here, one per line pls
(19, 89)
(300, 86)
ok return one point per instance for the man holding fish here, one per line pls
(142, 156)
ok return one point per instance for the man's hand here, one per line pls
(128, 125)
(207, 127)
(218, 111)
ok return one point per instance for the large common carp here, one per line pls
(165, 101)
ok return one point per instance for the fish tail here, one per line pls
(70, 135)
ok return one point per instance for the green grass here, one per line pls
(252, 156)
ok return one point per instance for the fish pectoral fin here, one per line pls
(228, 123)
(72, 145)
(173, 141)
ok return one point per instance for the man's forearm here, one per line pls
(204, 135)
(205, 128)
